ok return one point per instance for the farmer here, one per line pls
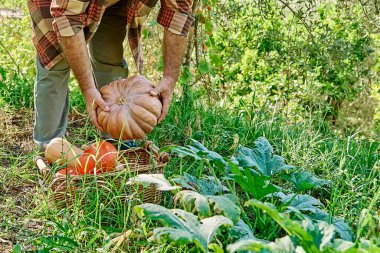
(61, 29)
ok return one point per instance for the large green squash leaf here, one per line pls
(209, 204)
(206, 185)
(157, 179)
(197, 151)
(262, 158)
(293, 228)
(241, 231)
(303, 203)
(249, 245)
(182, 227)
(257, 185)
(280, 245)
(193, 199)
(342, 228)
(304, 180)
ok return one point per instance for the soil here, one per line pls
(19, 189)
(5, 246)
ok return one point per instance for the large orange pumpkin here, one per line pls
(133, 111)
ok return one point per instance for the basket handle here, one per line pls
(42, 168)
(149, 145)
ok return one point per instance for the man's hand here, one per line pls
(164, 90)
(94, 100)
(76, 53)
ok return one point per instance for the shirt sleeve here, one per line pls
(176, 15)
(69, 16)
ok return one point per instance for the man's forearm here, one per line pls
(76, 53)
(173, 52)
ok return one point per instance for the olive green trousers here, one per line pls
(51, 88)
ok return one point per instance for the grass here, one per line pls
(350, 162)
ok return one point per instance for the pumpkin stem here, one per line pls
(120, 100)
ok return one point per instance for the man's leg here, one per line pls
(51, 102)
(106, 46)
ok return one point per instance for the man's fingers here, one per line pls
(161, 87)
(94, 119)
(100, 102)
(165, 109)
(154, 93)
(157, 90)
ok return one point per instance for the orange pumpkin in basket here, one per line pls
(133, 111)
(104, 154)
(62, 152)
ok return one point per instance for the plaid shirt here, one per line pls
(52, 18)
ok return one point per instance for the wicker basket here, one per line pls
(67, 190)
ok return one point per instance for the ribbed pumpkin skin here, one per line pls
(133, 111)
(62, 151)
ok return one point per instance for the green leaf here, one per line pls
(215, 248)
(283, 244)
(203, 67)
(262, 158)
(342, 228)
(251, 245)
(156, 212)
(293, 228)
(204, 204)
(300, 202)
(223, 205)
(182, 226)
(186, 75)
(341, 245)
(211, 225)
(187, 181)
(241, 231)
(17, 249)
(182, 151)
(321, 232)
(191, 198)
(211, 185)
(209, 154)
(208, 25)
(304, 180)
(145, 33)
(157, 179)
(3, 74)
(252, 182)
(178, 236)
(207, 185)
(197, 151)
(216, 60)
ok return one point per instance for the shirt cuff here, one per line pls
(176, 22)
(67, 26)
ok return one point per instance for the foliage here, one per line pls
(207, 185)
(302, 216)
(261, 158)
(277, 52)
(183, 227)
(306, 235)
(304, 180)
(209, 204)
